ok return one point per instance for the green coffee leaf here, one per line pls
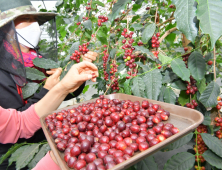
(29, 89)
(87, 24)
(34, 74)
(136, 7)
(212, 143)
(100, 33)
(178, 143)
(209, 96)
(112, 54)
(95, 96)
(180, 69)
(17, 154)
(201, 85)
(127, 88)
(11, 151)
(139, 1)
(75, 46)
(197, 66)
(145, 51)
(207, 120)
(45, 63)
(148, 33)
(169, 76)
(209, 12)
(182, 160)
(103, 40)
(117, 7)
(137, 26)
(42, 152)
(169, 96)
(209, 56)
(179, 85)
(27, 155)
(101, 84)
(138, 87)
(185, 19)
(135, 18)
(212, 159)
(161, 95)
(98, 3)
(85, 89)
(164, 59)
(153, 84)
(183, 98)
(147, 164)
(63, 31)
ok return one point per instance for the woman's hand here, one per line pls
(53, 79)
(90, 56)
(75, 77)
(78, 74)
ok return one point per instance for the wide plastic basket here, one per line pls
(183, 118)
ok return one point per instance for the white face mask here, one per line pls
(31, 34)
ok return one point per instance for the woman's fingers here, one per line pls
(91, 55)
(87, 59)
(57, 73)
(52, 71)
(86, 66)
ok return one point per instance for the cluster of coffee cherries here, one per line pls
(105, 59)
(186, 57)
(115, 85)
(88, 7)
(218, 124)
(129, 57)
(201, 147)
(219, 103)
(130, 35)
(77, 54)
(113, 70)
(155, 44)
(192, 105)
(140, 43)
(191, 86)
(85, 18)
(191, 89)
(219, 120)
(132, 66)
(116, 20)
(102, 19)
(104, 133)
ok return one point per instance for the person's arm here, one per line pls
(75, 93)
(14, 124)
